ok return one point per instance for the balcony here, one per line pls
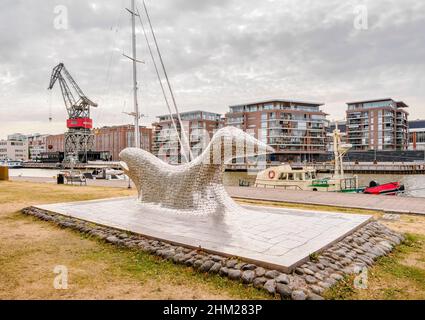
(402, 124)
(357, 117)
(351, 132)
(298, 120)
(389, 123)
(280, 144)
(235, 120)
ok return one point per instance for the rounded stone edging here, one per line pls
(308, 281)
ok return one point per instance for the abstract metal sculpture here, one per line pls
(195, 187)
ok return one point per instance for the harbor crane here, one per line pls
(79, 139)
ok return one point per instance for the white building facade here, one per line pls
(16, 150)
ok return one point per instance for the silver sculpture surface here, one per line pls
(195, 187)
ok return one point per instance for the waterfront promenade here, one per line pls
(96, 183)
(390, 204)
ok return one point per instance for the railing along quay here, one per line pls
(384, 168)
(52, 166)
(396, 168)
(41, 165)
(94, 164)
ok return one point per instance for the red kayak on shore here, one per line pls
(388, 189)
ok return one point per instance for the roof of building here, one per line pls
(190, 112)
(416, 124)
(121, 126)
(400, 104)
(278, 100)
(371, 100)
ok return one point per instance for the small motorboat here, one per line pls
(392, 188)
(12, 164)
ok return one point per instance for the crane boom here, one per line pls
(77, 104)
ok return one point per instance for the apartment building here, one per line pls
(37, 144)
(199, 127)
(297, 130)
(377, 125)
(417, 135)
(114, 139)
(14, 148)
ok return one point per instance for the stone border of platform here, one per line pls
(309, 281)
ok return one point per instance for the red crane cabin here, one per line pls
(85, 123)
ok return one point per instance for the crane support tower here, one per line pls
(79, 139)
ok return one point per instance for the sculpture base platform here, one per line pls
(273, 238)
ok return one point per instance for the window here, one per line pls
(234, 120)
(283, 176)
(317, 117)
(306, 108)
(302, 125)
(378, 104)
(420, 137)
(237, 109)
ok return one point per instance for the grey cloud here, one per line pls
(217, 53)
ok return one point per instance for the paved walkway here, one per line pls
(358, 201)
(274, 238)
(95, 183)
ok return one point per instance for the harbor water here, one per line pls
(414, 184)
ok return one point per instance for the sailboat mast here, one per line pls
(135, 89)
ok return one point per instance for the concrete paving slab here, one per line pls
(274, 238)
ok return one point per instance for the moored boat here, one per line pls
(392, 188)
(289, 177)
(305, 178)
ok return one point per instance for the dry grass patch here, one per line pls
(414, 224)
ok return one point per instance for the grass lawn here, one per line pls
(400, 275)
(30, 249)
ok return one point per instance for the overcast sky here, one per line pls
(217, 52)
